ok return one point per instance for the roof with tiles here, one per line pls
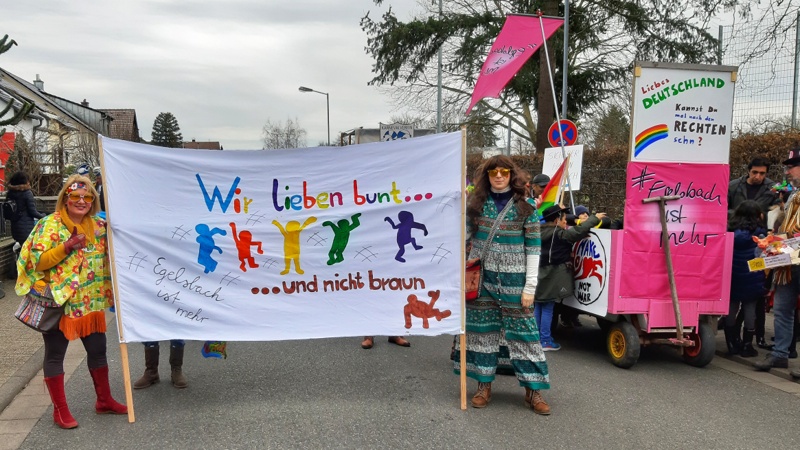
(124, 126)
(203, 145)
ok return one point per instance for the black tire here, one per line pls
(706, 346)
(623, 344)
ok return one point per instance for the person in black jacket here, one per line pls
(753, 186)
(19, 190)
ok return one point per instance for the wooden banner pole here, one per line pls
(463, 336)
(123, 346)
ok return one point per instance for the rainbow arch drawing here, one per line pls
(649, 136)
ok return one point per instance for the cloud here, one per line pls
(222, 68)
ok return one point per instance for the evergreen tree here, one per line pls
(611, 129)
(166, 132)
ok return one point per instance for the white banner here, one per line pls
(286, 244)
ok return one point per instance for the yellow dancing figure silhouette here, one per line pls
(291, 242)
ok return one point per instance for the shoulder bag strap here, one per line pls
(495, 225)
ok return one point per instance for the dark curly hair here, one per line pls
(747, 216)
(518, 181)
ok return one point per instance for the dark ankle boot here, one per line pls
(176, 365)
(61, 415)
(747, 344)
(105, 402)
(733, 340)
(150, 376)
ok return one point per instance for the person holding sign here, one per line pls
(65, 259)
(499, 207)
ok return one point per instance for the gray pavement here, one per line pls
(22, 348)
(330, 393)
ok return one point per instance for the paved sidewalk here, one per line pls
(23, 348)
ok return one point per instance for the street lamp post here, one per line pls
(327, 107)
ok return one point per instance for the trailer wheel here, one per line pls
(623, 344)
(703, 351)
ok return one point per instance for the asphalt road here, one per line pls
(332, 394)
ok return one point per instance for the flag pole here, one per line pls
(555, 104)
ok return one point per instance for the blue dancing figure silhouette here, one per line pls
(205, 237)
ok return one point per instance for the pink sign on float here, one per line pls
(519, 39)
(696, 227)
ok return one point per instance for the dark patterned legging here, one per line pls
(55, 347)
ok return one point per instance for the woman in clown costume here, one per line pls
(65, 259)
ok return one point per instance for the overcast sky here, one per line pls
(222, 68)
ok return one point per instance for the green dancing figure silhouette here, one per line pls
(341, 236)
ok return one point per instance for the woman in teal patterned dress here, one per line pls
(510, 267)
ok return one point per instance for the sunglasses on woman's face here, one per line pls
(502, 172)
(88, 198)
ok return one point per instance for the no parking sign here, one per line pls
(569, 132)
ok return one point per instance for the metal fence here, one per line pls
(766, 88)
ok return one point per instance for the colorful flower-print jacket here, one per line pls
(82, 280)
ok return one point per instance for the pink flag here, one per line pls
(520, 37)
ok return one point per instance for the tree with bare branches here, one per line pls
(279, 135)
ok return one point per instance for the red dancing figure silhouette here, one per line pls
(423, 310)
(243, 243)
(404, 228)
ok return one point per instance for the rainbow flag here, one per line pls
(553, 189)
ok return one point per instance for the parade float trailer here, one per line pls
(665, 277)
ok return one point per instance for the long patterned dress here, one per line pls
(498, 309)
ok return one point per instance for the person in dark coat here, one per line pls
(556, 277)
(746, 286)
(19, 190)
